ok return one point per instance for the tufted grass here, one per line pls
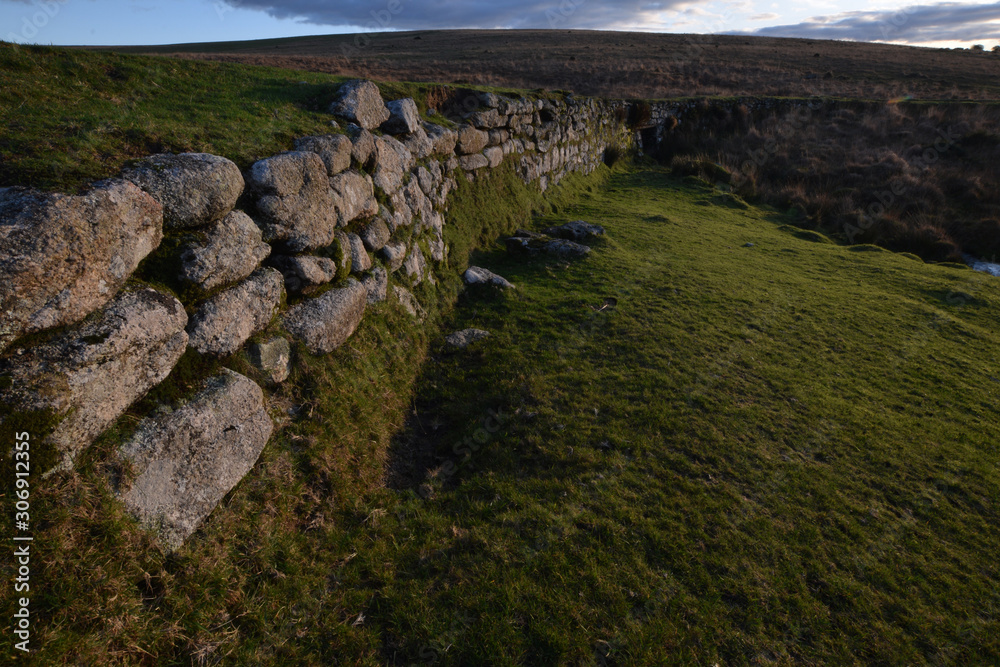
(710, 453)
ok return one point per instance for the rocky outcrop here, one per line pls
(185, 462)
(62, 257)
(195, 189)
(326, 322)
(361, 102)
(91, 374)
(233, 249)
(529, 243)
(226, 321)
(295, 200)
(334, 149)
(565, 249)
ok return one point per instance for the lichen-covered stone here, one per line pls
(326, 322)
(304, 271)
(62, 257)
(89, 375)
(360, 261)
(473, 162)
(471, 140)
(464, 338)
(195, 189)
(185, 462)
(295, 200)
(376, 282)
(232, 251)
(375, 234)
(415, 266)
(273, 358)
(394, 255)
(227, 320)
(404, 117)
(476, 275)
(334, 149)
(494, 155)
(361, 102)
(362, 146)
(392, 160)
(409, 303)
(419, 144)
(443, 140)
(354, 196)
(577, 231)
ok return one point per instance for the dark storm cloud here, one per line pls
(943, 21)
(426, 14)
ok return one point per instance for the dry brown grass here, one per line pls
(619, 64)
(910, 177)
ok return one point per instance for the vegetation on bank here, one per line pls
(911, 177)
(70, 117)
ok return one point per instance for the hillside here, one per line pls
(717, 438)
(617, 64)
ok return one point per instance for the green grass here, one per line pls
(69, 117)
(776, 454)
(783, 453)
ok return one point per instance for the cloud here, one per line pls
(764, 17)
(374, 15)
(919, 24)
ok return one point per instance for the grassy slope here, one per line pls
(777, 453)
(70, 117)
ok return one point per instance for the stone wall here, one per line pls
(337, 221)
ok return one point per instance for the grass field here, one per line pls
(682, 449)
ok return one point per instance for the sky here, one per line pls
(120, 22)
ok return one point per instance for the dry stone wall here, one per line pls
(358, 217)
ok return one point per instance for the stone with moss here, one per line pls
(90, 374)
(360, 102)
(195, 189)
(233, 249)
(62, 257)
(184, 462)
